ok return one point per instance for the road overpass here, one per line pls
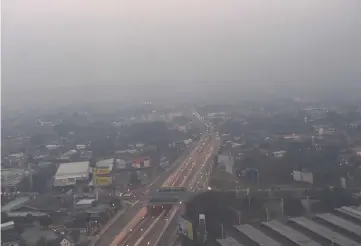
(113, 230)
(131, 232)
(192, 176)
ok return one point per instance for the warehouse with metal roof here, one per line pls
(69, 173)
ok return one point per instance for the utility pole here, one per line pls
(30, 176)
(222, 230)
(270, 193)
(282, 207)
(238, 214)
(239, 217)
(267, 216)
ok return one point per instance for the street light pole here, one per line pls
(222, 231)
(267, 218)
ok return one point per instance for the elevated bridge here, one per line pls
(166, 197)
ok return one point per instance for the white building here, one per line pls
(226, 161)
(279, 154)
(70, 173)
(66, 242)
(107, 163)
(80, 146)
(306, 177)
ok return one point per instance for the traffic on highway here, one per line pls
(193, 175)
(137, 226)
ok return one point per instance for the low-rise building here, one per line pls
(12, 179)
(86, 155)
(279, 154)
(16, 160)
(70, 173)
(357, 150)
(226, 161)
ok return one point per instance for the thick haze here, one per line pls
(82, 50)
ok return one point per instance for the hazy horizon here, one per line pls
(56, 52)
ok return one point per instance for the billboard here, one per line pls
(141, 162)
(306, 177)
(58, 182)
(101, 171)
(185, 227)
(102, 181)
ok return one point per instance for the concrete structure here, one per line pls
(52, 146)
(80, 146)
(350, 212)
(70, 173)
(290, 233)
(256, 235)
(13, 158)
(107, 163)
(14, 204)
(12, 178)
(228, 241)
(7, 226)
(324, 232)
(302, 176)
(341, 223)
(86, 155)
(84, 203)
(226, 160)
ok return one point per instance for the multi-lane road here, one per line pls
(113, 231)
(123, 227)
(193, 175)
(134, 222)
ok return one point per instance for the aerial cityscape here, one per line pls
(181, 123)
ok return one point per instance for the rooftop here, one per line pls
(17, 155)
(11, 173)
(228, 241)
(85, 202)
(12, 177)
(7, 225)
(72, 168)
(86, 154)
(14, 204)
(49, 202)
(106, 163)
(32, 235)
(99, 208)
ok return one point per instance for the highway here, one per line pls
(114, 230)
(192, 175)
(135, 217)
(128, 234)
(168, 234)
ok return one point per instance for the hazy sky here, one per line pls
(67, 50)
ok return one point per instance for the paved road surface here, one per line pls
(191, 177)
(182, 177)
(113, 231)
